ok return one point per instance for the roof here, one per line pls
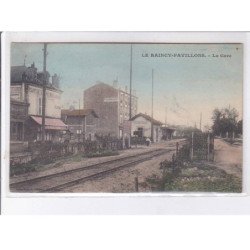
(17, 73)
(29, 75)
(79, 112)
(99, 84)
(50, 123)
(147, 117)
(168, 128)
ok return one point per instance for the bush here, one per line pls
(101, 154)
(21, 169)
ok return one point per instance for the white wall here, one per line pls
(53, 104)
(15, 93)
(141, 122)
(158, 138)
(53, 100)
(33, 95)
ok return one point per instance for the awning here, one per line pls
(50, 123)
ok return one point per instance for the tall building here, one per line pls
(112, 105)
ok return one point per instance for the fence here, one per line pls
(201, 146)
(49, 151)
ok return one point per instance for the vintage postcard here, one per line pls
(126, 117)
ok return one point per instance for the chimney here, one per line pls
(115, 83)
(55, 81)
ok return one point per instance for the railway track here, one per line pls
(58, 181)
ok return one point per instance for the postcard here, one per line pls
(125, 117)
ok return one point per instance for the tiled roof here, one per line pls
(147, 117)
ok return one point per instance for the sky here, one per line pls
(208, 76)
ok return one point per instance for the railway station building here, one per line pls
(143, 125)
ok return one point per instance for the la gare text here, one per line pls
(190, 55)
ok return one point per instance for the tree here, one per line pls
(239, 127)
(225, 121)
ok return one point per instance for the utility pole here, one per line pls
(166, 116)
(130, 92)
(44, 90)
(192, 146)
(79, 112)
(200, 120)
(152, 114)
(130, 82)
(152, 93)
(24, 61)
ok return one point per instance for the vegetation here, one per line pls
(101, 153)
(182, 174)
(46, 164)
(195, 177)
(226, 121)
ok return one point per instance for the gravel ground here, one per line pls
(124, 180)
(228, 157)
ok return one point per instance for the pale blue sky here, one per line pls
(186, 86)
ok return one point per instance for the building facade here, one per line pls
(81, 123)
(27, 88)
(143, 125)
(18, 118)
(112, 105)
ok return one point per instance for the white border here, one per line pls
(142, 203)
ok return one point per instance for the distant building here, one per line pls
(27, 88)
(112, 106)
(143, 125)
(167, 133)
(81, 123)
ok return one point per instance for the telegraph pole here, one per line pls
(200, 120)
(152, 114)
(166, 116)
(44, 90)
(130, 92)
(130, 83)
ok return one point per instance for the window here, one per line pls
(40, 106)
(78, 131)
(39, 136)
